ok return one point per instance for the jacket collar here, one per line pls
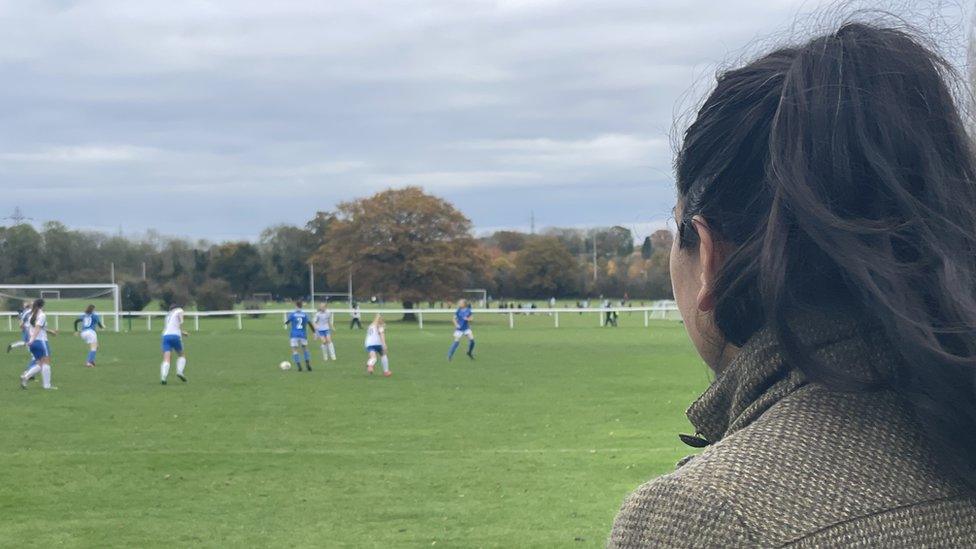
(757, 378)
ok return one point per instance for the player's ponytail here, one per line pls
(36, 306)
(840, 175)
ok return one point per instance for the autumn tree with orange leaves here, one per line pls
(403, 243)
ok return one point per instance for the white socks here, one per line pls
(16, 344)
(45, 372)
(386, 364)
(45, 376)
(31, 372)
(163, 371)
(180, 365)
(371, 362)
(328, 351)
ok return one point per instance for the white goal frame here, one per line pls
(116, 295)
(480, 291)
(57, 294)
(327, 295)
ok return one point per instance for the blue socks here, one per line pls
(308, 359)
(298, 362)
(454, 348)
(91, 357)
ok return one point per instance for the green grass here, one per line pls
(534, 444)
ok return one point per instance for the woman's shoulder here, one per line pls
(679, 509)
(815, 459)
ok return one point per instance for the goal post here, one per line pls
(70, 299)
(481, 293)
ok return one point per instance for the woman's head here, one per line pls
(89, 309)
(36, 306)
(378, 320)
(836, 175)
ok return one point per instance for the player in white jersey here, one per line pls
(376, 346)
(173, 341)
(38, 345)
(24, 328)
(323, 331)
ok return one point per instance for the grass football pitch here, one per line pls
(535, 443)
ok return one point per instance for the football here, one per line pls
(285, 365)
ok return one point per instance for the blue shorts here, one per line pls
(172, 343)
(322, 333)
(39, 349)
(378, 349)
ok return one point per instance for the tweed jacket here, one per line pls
(793, 463)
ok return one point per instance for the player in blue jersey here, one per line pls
(24, 320)
(24, 328)
(298, 336)
(462, 328)
(90, 321)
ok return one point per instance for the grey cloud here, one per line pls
(232, 115)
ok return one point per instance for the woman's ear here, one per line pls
(709, 254)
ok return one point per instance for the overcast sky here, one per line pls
(215, 119)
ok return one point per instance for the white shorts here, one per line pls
(299, 342)
(89, 337)
(459, 333)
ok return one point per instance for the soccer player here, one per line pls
(462, 328)
(89, 321)
(376, 346)
(173, 341)
(355, 322)
(38, 345)
(25, 336)
(299, 336)
(24, 328)
(323, 331)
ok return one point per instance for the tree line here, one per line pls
(400, 244)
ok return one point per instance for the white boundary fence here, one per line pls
(662, 310)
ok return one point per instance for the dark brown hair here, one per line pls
(840, 174)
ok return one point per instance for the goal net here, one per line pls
(664, 309)
(480, 294)
(331, 297)
(64, 302)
